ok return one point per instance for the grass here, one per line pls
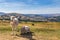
(45, 29)
(38, 27)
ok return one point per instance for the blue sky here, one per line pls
(30, 6)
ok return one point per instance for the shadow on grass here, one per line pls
(27, 35)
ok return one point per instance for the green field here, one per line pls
(42, 30)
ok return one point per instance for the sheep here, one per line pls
(25, 32)
(14, 24)
(25, 29)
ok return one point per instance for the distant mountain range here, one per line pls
(1, 13)
(45, 15)
(33, 17)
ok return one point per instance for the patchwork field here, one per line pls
(42, 30)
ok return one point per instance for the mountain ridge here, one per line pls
(35, 17)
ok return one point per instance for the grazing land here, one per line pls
(42, 30)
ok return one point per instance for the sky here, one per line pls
(30, 6)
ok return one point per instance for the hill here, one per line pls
(2, 13)
(25, 17)
(32, 17)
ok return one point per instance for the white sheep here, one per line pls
(14, 24)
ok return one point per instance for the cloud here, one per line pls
(30, 6)
(37, 11)
(42, 11)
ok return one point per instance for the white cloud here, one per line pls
(13, 4)
(29, 9)
(37, 11)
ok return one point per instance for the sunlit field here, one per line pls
(42, 30)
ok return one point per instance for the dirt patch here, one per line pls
(10, 37)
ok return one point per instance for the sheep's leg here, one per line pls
(12, 26)
(15, 30)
